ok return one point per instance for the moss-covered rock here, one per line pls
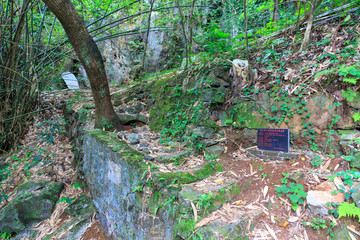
(128, 118)
(125, 152)
(215, 150)
(191, 176)
(341, 232)
(172, 157)
(80, 206)
(33, 203)
(204, 132)
(72, 229)
(221, 230)
(245, 115)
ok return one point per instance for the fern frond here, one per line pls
(325, 72)
(350, 80)
(348, 210)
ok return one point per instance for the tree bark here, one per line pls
(90, 56)
(147, 34)
(276, 11)
(246, 35)
(306, 40)
(182, 22)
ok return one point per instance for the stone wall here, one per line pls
(160, 207)
(112, 171)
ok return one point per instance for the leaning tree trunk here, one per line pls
(90, 56)
(306, 40)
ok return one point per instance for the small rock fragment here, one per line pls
(317, 200)
(148, 158)
(133, 138)
(297, 177)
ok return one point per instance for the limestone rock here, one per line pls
(168, 158)
(148, 158)
(204, 132)
(356, 195)
(215, 150)
(126, 118)
(209, 142)
(133, 138)
(33, 203)
(297, 177)
(347, 137)
(188, 193)
(341, 232)
(82, 209)
(224, 119)
(82, 205)
(223, 230)
(316, 200)
(214, 95)
(241, 74)
(216, 81)
(134, 109)
(326, 186)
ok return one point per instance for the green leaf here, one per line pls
(349, 95)
(294, 207)
(294, 198)
(348, 17)
(350, 80)
(301, 193)
(138, 188)
(348, 210)
(354, 71)
(356, 117)
(326, 72)
(143, 175)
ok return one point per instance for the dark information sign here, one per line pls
(273, 139)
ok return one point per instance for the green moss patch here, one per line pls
(189, 177)
(130, 155)
(244, 114)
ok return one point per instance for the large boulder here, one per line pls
(34, 202)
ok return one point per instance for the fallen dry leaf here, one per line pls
(206, 220)
(293, 219)
(326, 165)
(265, 191)
(194, 211)
(351, 228)
(285, 224)
(272, 233)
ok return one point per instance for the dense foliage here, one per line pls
(34, 48)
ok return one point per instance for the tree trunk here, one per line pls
(182, 22)
(306, 40)
(276, 11)
(191, 27)
(90, 56)
(147, 34)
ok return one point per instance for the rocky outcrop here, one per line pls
(33, 203)
(131, 207)
(207, 103)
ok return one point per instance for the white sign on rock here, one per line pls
(70, 80)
